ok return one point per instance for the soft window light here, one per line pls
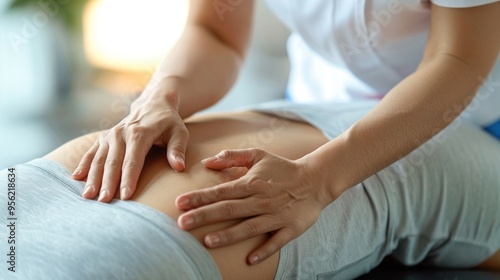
(131, 35)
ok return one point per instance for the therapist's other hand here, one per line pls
(277, 196)
(117, 157)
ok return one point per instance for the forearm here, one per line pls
(414, 111)
(200, 67)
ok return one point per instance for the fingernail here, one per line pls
(180, 160)
(212, 240)
(77, 172)
(103, 194)
(88, 189)
(209, 159)
(187, 220)
(183, 202)
(124, 193)
(254, 259)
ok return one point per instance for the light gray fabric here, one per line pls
(439, 205)
(60, 235)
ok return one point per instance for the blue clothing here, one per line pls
(494, 129)
(60, 235)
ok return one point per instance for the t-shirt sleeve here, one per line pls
(462, 3)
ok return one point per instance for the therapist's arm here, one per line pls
(462, 48)
(286, 197)
(208, 56)
(198, 71)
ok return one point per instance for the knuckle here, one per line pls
(88, 156)
(266, 204)
(302, 224)
(282, 241)
(251, 228)
(225, 154)
(86, 160)
(276, 246)
(297, 226)
(116, 131)
(249, 186)
(228, 209)
(91, 179)
(183, 131)
(195, 200)
(219, 192)
(255, 152)
(102, 136)
(226, 236)
(136, 131)
(130, 164)
(99, 160)
(101, 141)
(112, 163)
(254, 183)
(200, 215)
(93, 149)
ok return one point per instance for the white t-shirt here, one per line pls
(347, 50)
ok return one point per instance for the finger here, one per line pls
(176, 149)
(94, 178)
(272, 246)
(218, 212)
(135, 154)
(84, 166)
(113, 168)
(230, 190)
(240, 232)
(234, 158)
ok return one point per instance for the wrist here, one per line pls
(326, 167)
(163, 90)
(317, 176)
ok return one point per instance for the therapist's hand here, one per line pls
(277, 196)
(117, 156)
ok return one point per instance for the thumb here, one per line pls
(176, 149)
(234, 158)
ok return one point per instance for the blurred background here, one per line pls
(70, 67)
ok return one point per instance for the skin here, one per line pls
(159, 185)
(461, 50)
(179, 88)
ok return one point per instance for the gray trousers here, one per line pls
(438, 206)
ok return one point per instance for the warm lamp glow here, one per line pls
(131, 35)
